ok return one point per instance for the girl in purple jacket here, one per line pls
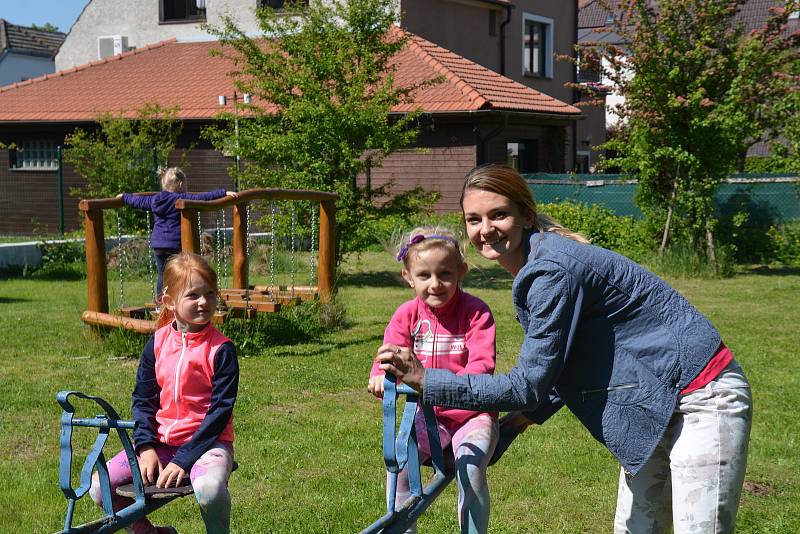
(165, 239)
(452, 330)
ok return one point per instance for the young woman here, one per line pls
(641, 368)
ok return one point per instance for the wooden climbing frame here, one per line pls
(97, 312)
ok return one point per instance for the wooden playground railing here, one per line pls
(97, 311)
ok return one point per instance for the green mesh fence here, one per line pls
(768, 198)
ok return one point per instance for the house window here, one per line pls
(537, 46)
(794, 15)
(35, 155)
(523, 156)
(182, 10)
(280, 4)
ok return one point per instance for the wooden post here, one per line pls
(190, 241)
(327, 249)
(96, 273)
(240, 259)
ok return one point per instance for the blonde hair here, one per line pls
(424, 238)
(172, 179)
(178, 274)
(506, 181)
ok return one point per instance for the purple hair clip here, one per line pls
(401, 255)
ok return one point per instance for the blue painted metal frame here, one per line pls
(112, 521)
(400, 451)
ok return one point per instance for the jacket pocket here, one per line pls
(618, 390)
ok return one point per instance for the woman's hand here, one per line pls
(515, 421)
(402, 363)
(149, 465)
(120, 195)
(376, 385)
(172, 475)
(233, 194)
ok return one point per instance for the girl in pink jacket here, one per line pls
(452, 330)
(183, 400)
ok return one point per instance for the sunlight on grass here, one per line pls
(308, 433)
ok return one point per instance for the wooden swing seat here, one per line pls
(152, 492)
(134, 312)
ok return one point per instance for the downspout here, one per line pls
(576, 95)
(503, 40)
(483, 142)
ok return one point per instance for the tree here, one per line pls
(322, 81)
(46, 27)
(698, 91)
(123, 154)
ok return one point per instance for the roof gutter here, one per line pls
(510, 113)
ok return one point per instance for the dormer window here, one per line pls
(177, 11)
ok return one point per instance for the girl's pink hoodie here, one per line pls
(459, 337)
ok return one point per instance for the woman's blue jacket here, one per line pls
(604, 336)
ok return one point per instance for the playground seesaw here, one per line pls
(400, 451)
(146, 499)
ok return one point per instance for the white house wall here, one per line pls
(138, 21)
(18, 67)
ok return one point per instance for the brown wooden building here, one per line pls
(475, 115)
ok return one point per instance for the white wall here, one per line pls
(17, 67)
(138, 21)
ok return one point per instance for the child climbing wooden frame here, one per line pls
(97, 312)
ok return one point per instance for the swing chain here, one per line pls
(312, 265)
(224, 252)
(150, 266)
(294, 243)
(247, 254)
(272, 248)
(120, 261)
(199, 232)
(217, 242)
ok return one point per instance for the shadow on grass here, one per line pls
(54, 274)
(324, 347)
(371, 279)
(494, 277)
(11, 300)
(764, 270)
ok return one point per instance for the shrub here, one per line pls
(682, 260)
(784, 243)
(293, 324)
(603, 227)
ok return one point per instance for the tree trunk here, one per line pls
(668, 223)
(711, 248)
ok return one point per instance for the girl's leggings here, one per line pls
(209, 476)
(693, 480)
(473, 445)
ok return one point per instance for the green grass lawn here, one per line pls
(308, 433)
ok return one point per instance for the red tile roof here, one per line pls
(183, 74)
